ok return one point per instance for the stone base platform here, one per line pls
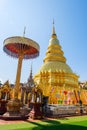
(53, 110)
(13, 116)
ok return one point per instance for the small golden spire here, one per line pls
(53, 31)
(30, 76)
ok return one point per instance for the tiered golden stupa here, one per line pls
(6, 91)
(55, 77)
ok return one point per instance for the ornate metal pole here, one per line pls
(18, 75)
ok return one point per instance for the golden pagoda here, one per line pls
(6, 91)
(55, 77)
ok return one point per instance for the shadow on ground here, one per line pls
(52, 125)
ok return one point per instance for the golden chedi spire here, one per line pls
(54, 58)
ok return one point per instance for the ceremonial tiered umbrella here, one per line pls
(21, 48)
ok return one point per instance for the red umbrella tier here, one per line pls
(13, 46)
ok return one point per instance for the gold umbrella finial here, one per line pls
(24, 31)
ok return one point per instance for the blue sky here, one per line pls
(70, 18)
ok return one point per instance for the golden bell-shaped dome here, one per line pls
(55, 66)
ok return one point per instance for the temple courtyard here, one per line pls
(49, 92)
(77, 122)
